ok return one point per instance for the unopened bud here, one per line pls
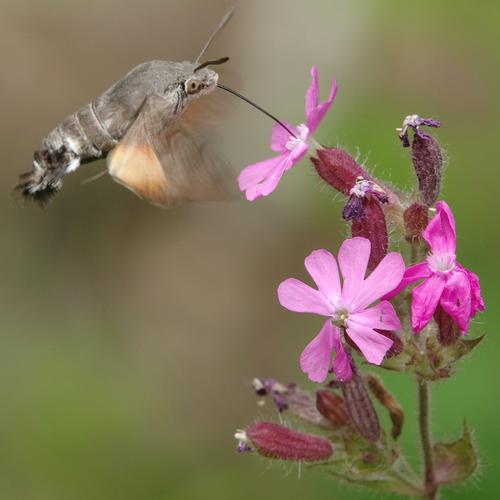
(448, 332)
(416, 218)
(360, 408)
(372, 225)
(426, 155)
(338, 168)
(276, 441)
(387, 400)
(332, 407)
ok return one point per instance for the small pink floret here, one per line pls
(262, 178)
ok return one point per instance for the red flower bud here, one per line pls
(448, 332)
(276, 441)
(427, 156)
(332, 407)
(372, 226)
(338, 168)
(416, 218)
(428, 164)
(360, 408)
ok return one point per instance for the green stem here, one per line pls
(425, 438)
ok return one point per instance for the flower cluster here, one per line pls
(403, 317)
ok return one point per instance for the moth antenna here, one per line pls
(256, 106)
(213, 62)
(221, 25)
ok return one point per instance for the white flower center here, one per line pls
(441, 262)
(340, 316)
(302, 136)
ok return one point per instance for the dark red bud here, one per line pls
(332, 407)
(416, 218)
(428, 164)
(276, 441)
(360, 408)
(448, 332)
(372, 225)
(338, 168)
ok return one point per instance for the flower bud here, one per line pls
(332, 407)
(448, 332)
(360, 407)
(372, 225)
(276, 441)
(426, 155)
(387, 400)
(416, 218)
(338, 168)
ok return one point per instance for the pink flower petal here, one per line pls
(253, 174)
(384, 278)
(440, 233)
(372, 345)
(456, 298)
(353, 261)
(261, 179)
(477, 303)
(426, 297)
(412, 274)
(342, 362)
(316, 358)
(279, 137)
(299, 297)
(322, 267)
(382, 316)
(314, 111)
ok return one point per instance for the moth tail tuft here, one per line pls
(35, 186)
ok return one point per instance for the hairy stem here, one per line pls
(425, 438)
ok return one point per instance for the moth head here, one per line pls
(203, 80)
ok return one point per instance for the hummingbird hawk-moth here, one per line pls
(143, 125)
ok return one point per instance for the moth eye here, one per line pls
(192, 86)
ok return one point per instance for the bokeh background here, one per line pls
(130, 335)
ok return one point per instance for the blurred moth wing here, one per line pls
(164, 158)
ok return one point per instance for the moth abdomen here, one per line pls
(80, 138)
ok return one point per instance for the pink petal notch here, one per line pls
(322, 267)
(315, 111)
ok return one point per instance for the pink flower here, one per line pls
(261, 179)
(346, 307)
(446, 281)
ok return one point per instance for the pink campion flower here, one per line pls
(346, 307)
(261, 179)
(446, 281)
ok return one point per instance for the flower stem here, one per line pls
(425, 438)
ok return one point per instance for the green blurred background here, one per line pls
(130, 335)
